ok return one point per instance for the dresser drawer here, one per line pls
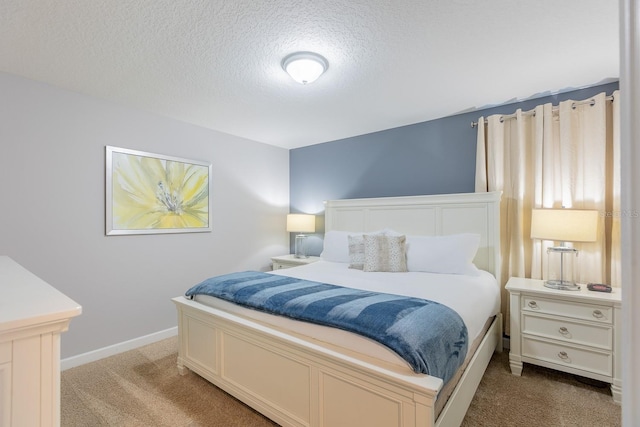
(596, 313)
(592, 334)
(598, 362)
(5, 352)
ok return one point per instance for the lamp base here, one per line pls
(562, 285)
(301, 251)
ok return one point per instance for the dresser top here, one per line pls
(25, 299)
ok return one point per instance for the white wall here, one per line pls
(52, 209)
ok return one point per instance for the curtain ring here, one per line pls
(592, 102)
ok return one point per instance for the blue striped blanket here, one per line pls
(431, 337)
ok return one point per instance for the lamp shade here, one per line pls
(301, 223)
(564, 225)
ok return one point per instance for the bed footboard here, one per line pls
(297, 383)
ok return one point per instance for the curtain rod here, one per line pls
(591, 102)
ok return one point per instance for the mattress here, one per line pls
(474, 298)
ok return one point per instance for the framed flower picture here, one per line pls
(151, 193)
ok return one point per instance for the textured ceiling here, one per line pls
(216, 63)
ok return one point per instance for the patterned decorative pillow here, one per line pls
(385, 253)
(356, 251)
(356, 246)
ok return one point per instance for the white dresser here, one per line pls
(571, 331)
(32, 316)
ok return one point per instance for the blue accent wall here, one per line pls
(434, 157)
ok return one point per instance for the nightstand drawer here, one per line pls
(596, 313)
(564, 355)
(560, 329)
(280, 266)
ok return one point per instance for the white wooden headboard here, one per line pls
(433, 215)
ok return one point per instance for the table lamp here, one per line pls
(563, 225)
(301, 223)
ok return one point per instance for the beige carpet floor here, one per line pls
(142, 387)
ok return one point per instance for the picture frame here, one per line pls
(149, 193)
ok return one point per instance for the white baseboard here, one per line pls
(92, 356)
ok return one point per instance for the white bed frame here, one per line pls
(298, 383)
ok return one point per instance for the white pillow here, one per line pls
(451, 254)
(336, 246)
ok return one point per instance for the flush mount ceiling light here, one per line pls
(305, 67)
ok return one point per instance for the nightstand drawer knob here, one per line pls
(598, 314)
(563, 355)
(533, 304)
(563, 331)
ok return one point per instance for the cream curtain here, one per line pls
(553, 157)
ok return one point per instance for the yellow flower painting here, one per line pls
(153, 192)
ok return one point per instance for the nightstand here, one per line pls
(288, 261)
(572, 331)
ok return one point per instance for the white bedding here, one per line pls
(474, 298)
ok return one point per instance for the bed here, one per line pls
(300, 374)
